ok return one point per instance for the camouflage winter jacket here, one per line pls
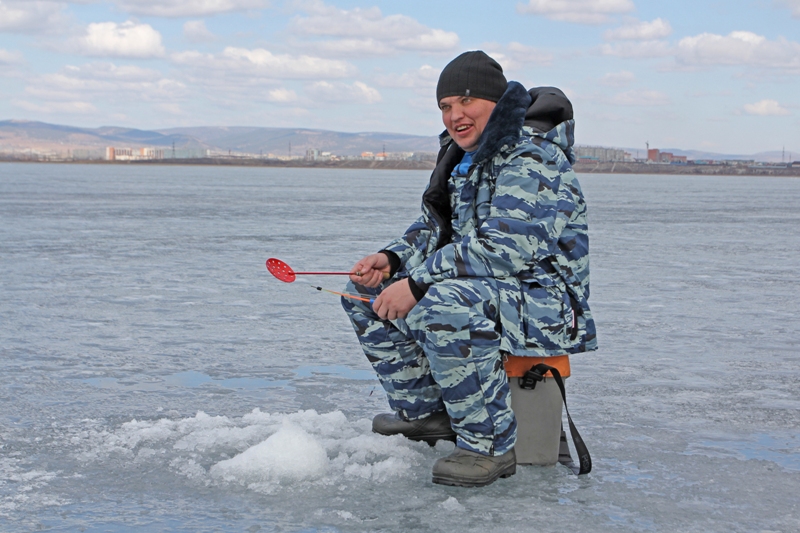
(519, 217)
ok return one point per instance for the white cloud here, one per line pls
(641, 98)
(352, 47)
(794, 5)
(30, 16)
(171, 109)
(281, 96)
(618, 79)
(638, 50)
(188, 8)
(517, 55)
(9, 58)
(738, 48)
(72, 108)
(110, 71)
(635, 30)
(105, 82)
(369, 32)
(422, 80)
(577, 11)
(766, 108)
(196, 32)
(261, 63)
(358, 92)
(121, 40)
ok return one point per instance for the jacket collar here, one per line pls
(505, 123)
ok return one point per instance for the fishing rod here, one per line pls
(346, 295)
(284, 272)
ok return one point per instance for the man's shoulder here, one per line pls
(529, 150)
(530, 158)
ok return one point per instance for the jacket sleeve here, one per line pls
(414, 240)
(526, 215)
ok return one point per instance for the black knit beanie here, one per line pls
(472, 74)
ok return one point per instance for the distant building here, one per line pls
(654, 155)
(600, 153)
(131, 154)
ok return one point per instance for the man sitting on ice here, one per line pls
(497, 264)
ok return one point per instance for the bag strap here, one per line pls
(528, 381)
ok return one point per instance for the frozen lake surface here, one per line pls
(155, 377)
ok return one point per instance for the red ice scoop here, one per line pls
(284, 272)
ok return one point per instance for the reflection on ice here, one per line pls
(784, 451)
(190, 378)
(336, 370)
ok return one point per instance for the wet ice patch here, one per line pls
(21, 488)
(781, 450)
(265, 452)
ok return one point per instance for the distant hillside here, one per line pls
(773, 156)
(16, 135)
(39, 136)
(22, 135)
(278, 140)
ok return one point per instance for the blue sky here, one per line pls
(719, 76)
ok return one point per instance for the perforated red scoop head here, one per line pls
(280, 270)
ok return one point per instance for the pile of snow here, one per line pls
(291, 454)
(261, 451)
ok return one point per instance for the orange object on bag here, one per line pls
(517, 365)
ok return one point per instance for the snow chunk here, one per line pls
(290, 454)
(451, 504)
(264, 452)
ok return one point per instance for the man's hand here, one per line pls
(395, 301)
(371, 270)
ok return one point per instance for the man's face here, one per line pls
(465, 117)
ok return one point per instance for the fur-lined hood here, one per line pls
(543, 114)
(544, 111)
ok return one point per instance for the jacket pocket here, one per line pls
(546, 317)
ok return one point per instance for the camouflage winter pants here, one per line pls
(444, 355)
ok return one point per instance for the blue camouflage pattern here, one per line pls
(506, 273)
(443, 355)
(521, 219)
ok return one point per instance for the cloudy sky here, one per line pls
(720, 76)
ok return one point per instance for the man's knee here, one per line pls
(440, 305)
(452, 298)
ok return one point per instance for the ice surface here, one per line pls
(155, 377)
(267, 451)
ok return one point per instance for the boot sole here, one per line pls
(509, 471)
(429, 439)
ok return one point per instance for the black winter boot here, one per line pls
(430, 429)
(465, 468)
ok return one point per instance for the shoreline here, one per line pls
(612, 167)
(628, 167)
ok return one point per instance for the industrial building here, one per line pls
(133, 154)
(600, 153)
(654, 155)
